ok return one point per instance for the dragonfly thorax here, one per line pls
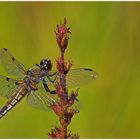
(30, 83)
(36, 74)
(26, 80)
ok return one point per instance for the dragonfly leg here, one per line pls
(47, 88)
(52, 81)
(52, 74)
(53, 92)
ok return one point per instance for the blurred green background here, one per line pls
(105, 37)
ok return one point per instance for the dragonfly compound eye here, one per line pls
(45, 64)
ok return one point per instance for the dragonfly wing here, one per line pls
(74, 78)
(40, 99)
(10, 64)
(7, 86)
(79, 77)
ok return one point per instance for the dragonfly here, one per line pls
(35, 82)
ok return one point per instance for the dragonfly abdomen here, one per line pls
(17, 96)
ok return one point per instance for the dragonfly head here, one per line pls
(46, 64)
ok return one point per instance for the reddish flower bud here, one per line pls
(72, 97)
(62, 35)
(63, 67)
(56, 133)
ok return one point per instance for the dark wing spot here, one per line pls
(7, 78)
(5, 49)
(17, 83)
(13, 58)
(37, 65)
(87, 69)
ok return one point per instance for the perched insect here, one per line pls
(35, 82)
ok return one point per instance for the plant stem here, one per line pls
(63, 107)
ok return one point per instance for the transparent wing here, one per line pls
(7, 86)
(40, 99)
(10, 64)
(79, 77)
(74, 78)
